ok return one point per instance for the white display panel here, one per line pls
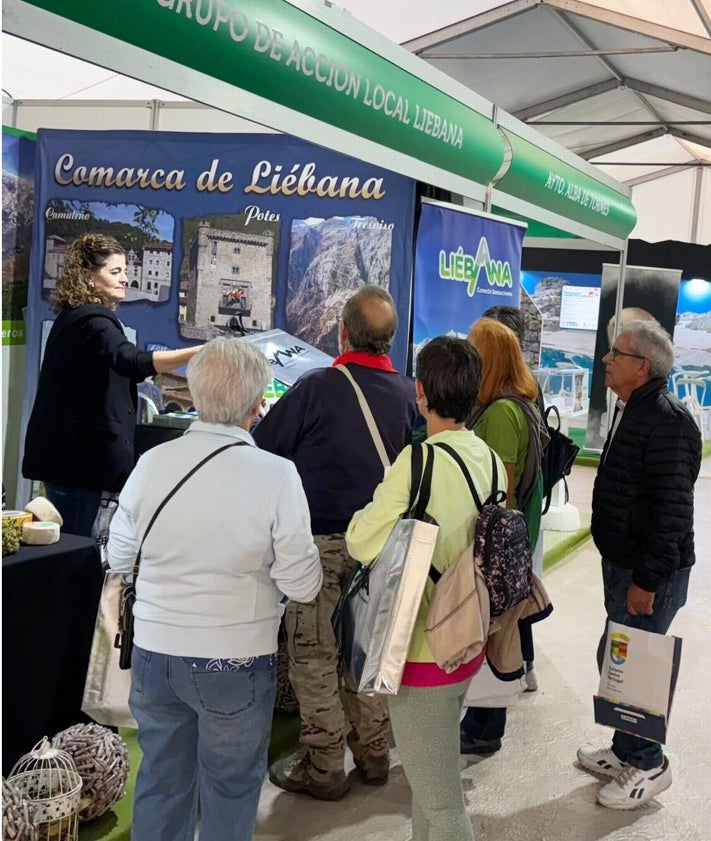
(579, 307)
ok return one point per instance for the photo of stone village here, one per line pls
(227, 276)
(146, 234)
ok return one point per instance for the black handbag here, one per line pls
(124, 637)
(558, 458)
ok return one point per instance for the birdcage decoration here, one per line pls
(48, 778)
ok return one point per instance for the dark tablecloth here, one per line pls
(50, 596)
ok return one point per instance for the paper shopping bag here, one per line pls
(637, 681)
(488, 690)
(107, 685)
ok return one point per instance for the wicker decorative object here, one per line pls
(48, 778)
(18, 816)
(101, 758)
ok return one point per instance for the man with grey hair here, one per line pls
(227, 549)
(319, 424)
(642, 524)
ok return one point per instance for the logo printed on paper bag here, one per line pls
(618, 648)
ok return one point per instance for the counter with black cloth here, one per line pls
(50, 597)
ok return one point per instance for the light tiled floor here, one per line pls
(532, 789)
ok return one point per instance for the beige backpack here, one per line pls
(458, 619)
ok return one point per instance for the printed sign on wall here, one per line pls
(225, 234)
(465, 262)
(648, 294)
(18, 157)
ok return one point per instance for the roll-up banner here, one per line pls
(224, 234)
(465, 262)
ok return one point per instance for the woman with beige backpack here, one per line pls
(425, 712)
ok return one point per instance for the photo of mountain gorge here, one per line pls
(17, 221)
(329, 259)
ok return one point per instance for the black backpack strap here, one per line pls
(496, 496)
(460, 461)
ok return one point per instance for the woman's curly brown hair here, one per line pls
(88, 253)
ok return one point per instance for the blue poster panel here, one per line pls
(465, 262)
(225, 234)
(18, 157)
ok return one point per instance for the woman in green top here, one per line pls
(507, 385)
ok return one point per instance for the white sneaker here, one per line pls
(531, 679)
(600, 761)
(633, 787)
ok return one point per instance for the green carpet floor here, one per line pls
(557, 545)
(115, 825)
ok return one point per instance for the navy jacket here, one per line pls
(643, 497)
(319, 425)
(81, 430)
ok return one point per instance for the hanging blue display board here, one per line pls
(225, 234)
(465, 262)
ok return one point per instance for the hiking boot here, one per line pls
(634, 787)
(373, 770)
(601, 761)
(302, 777)
(531, 679)
(480, 747)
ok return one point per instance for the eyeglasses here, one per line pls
(615, 353)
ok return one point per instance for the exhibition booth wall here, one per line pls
(342, 85)
(292, 280)
(333, 80)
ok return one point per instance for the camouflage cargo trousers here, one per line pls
(313, 670)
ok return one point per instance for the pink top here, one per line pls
(430, 674)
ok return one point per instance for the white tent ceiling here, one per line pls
(625, 84)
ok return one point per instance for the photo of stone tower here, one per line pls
(227, 280)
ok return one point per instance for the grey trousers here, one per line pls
(425, 724)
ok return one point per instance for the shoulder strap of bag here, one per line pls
(368, 415)
(172, 493)
(420, 482)
(538, 439)
(467, 475)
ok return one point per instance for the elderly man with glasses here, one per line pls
(642, 524)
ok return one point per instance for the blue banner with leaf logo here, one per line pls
(465, 262)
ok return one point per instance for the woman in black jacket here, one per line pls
(80, 436)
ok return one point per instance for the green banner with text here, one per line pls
(283, 54)
(544, 180)
(288, 56)
(13, 333)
